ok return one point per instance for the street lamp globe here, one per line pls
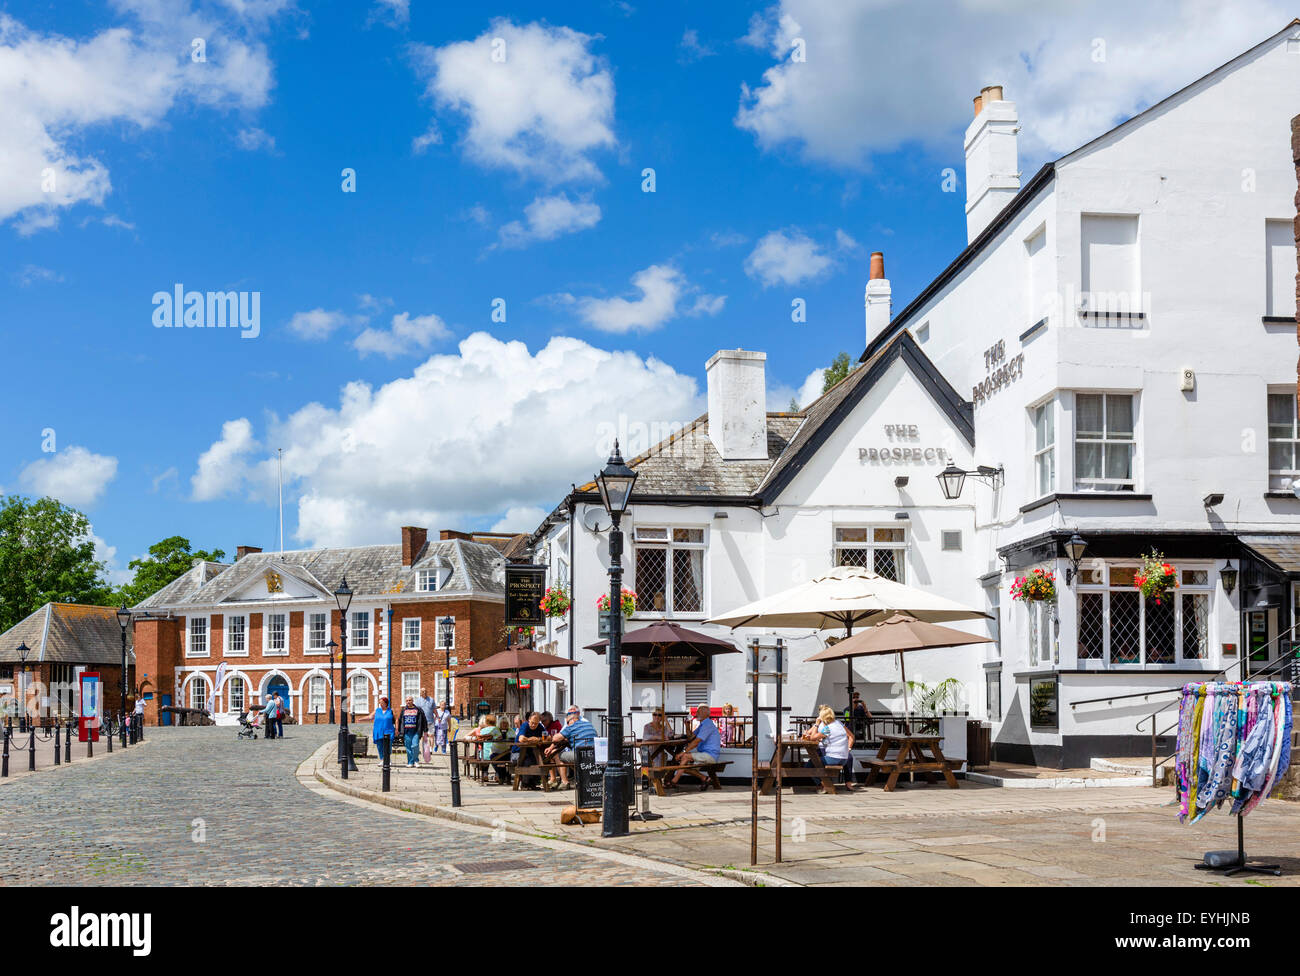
(615, 484)
(446, 632)
(951, 481)
(343, 596)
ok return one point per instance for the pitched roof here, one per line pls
(370, 571)
(67, 633)
(1041, 179)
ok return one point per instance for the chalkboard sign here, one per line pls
(591, 778)
(525, 587)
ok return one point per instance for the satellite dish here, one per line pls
(595, 519)
(1295, 488)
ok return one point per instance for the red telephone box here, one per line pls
(88, 719)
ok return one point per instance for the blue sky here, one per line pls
(379, 367)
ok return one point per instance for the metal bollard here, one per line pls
(108, 731)
(388, 754)
(31, 747)
(67, 743)
(90, 743)
(455, 774)
(58, 746)
(4, 761)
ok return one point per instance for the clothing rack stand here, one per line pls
(1231, 868)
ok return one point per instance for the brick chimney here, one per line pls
(413, 541)
(242, 551)
(878, 301)
(992, 162)
(737, 382)
(447, 534)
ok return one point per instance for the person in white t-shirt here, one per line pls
(835, 740)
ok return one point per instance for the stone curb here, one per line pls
(1061, 782)
(315, 768)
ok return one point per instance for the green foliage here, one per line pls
(837, 370)
(167, 560)
(46, 554)
(932, 699)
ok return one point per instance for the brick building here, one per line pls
(269, 618)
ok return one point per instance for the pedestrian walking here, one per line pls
(383, 728)
(280, 709)
(441, 722)
(268, 716)
(411, 723)
(426, 704)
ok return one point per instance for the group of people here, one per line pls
(270, 717)
(421, 723)
(501, 738)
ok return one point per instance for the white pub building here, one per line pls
(1112, 362)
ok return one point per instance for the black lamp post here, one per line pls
(23, 651)
(446, 635)
(615, 484)
(343, 597)
(124, 621)
(331, 645)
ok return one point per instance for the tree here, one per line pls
(46, 554)
(167, 560)
(837, 370)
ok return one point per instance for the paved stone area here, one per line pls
(918, 835)
(194, 806)
(19, 755)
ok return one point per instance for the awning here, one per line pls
(1283, 551)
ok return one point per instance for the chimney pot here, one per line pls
(992, 159)
(979, 105)
(878, 299)
(413, 540)
(877, 265)
(991, 93)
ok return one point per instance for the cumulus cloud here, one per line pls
(75, 476)
(442, 446)
(394, 13)
(55, 89)
(661, 288)
(521, 518)
(690, 48)
(536, 99)
(865, 87)
(252, 139)
(547, 218)
(317, 324)
(786, 257)
(404, 336)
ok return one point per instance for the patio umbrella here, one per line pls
(514, 662)
(845, 597)
(664, 638)
(898, 634)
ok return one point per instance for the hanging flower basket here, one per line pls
(555, 602)
(628, 599)
(1157, 578)
(1037, 586)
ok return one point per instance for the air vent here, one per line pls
(950, 540)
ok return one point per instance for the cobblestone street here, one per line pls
(194, 806)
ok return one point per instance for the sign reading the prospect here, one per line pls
(901, 443)
(591, 779)
(525, 587)
(1002, 372)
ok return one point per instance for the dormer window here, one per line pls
(426, 580)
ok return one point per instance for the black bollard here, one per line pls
(58, 746)
(31, 747)
(4, 761)
(455, 775)
(388, 754)
(67, 742)
(108, 729)
(90, 743)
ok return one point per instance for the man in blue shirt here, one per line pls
(704, 747)
(577, 732)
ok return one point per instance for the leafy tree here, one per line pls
(167, 560)
(794, 404)
(837, 370)
(46, 554)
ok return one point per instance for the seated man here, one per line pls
(704, 747)
(531, 733)
(577, 732)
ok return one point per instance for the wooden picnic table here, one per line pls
(656, 747)
(791, 771)
(916, 754)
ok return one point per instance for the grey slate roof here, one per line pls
(1283, 551)
(67, 633)
(371, 571)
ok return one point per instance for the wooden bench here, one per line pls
(706, 773)
(891, 765)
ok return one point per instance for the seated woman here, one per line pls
(835, 741)
(654, 731)
(493, 748)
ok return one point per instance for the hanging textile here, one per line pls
(1234, 742)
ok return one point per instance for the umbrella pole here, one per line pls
(848, 665)
(907, 722)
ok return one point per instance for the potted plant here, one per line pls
(627, 598)
(555, 602)
(1157, 578)
(1038, 585)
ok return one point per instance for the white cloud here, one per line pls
(709, 305)
(171, 474)
(520, 518)
(869, 85)
(786, 257)
(55, 89)
(394, 13)
(33, 273)
(75, 476)
(690, 48)
(405, 335)
(252, 139)
(812, 387)
(106, 554)
(443, 446)
(546, 218)
(660, 285)
(317, 324)
(224, 466)
(541, 107)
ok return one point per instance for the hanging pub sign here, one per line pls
(525, 587)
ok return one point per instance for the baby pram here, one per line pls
(248, 725)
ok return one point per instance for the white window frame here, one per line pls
(199, 623)
(1281, 479)
(267, 649)
(870, 544)
(352, 695)
(419, 633)
(1084, 583)
(437, 633)
(1043, 455)
(1081, 484)
(230, 693)
(307, 646)
(442, 688)
(195, 683)
(646, 537)
(228, 632)
(414, 686)
(314, 682)
(424, 576)
(369, 616)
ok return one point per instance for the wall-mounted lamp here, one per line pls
(1212, 499)
(952, 479)
(901, 481)
(1075, 547)
(1228, 575)
(902, 515)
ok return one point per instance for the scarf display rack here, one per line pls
(1234, 743)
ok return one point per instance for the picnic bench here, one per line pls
(915, 754)
(706, 773)
(794, 770)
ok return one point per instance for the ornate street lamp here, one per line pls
(446, 637)
(952, 479)
(343, 597)
(615, 484)
(124, 621)
(1075, 546)
(23, 651)
(1228, 575)
(331, 645)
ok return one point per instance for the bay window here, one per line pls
(1105, 445)
(1044, 420)
(1118, 626)
(1283, 441)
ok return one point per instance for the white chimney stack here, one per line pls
(992, 163)
(878, 299)
(738, 404)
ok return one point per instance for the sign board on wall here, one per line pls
(902, 444)
(525, 587)
(1001, 372)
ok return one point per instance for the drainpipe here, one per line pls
(388, 633)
